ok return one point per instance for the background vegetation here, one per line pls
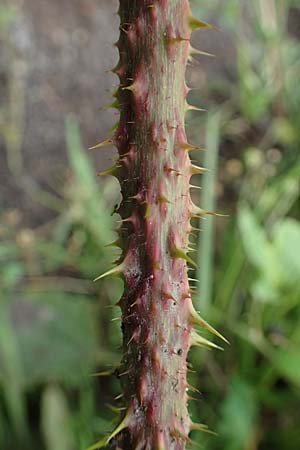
(57, 328)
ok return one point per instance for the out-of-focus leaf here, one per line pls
(256, 245)
(263, 289)
(287, 362)
(260, 253)
(42, 324)
(87, 205)
(11, 368)
(11, 273)
(7, 250)
(56, 420)
(78, 158)
(239, 412)
(53, 255)
(255, 97)
(287, 247)
(8, 15)
(284, 131)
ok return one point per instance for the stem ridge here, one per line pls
(154, 170)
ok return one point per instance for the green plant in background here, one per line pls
(254, 293)
(159, 322)
(46, 276)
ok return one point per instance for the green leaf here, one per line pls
(264, 290)
(56, 336)
(256, 245)
(260, 254)
(56, 420)
(87, 203)
(12, 272)
(287, 246)
(78, 158)
(287, 362)
(239, 413)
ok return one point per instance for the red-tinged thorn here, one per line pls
(202, 427)
(102, 144)
(111, 171)
(193, 389)
(119, 396)
(132, 338)
(189, 397)
(195, 51)
(181, 254)
(124, 373)
(116, 243)
(114, 271)
(189, 107)
(107, 373)
(195, 23)
(196, 229)
(196, 170)
(116, 318)
(113, 105)
(196, 319)
(194, 292)
(189, 147)
(123, 29)
(131, 87)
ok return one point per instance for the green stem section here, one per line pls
(154, 176)
(154, 171)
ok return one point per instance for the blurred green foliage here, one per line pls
(57, 327)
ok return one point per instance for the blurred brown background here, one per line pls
(53, 62)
